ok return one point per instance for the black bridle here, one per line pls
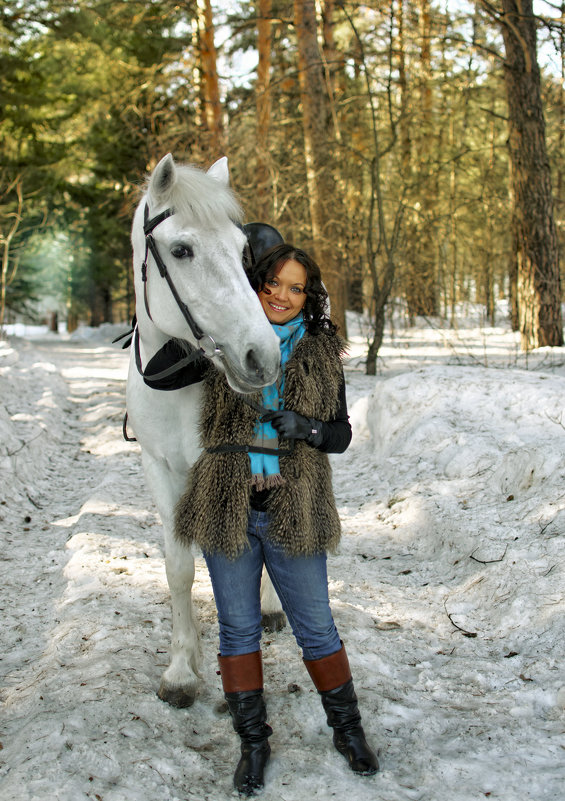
(208, 349)
(206, 344)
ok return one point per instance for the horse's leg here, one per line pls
(272, 616)
(180, 680)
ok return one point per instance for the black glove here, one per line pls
(291, 425)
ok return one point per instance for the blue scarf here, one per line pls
(265, 470)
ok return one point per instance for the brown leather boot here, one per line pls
(332, 678)
(242, 680)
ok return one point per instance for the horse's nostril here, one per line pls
(253, 364)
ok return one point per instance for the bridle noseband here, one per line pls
(206, 344)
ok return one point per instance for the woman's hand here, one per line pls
(291, 425)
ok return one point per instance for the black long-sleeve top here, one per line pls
(336, 434)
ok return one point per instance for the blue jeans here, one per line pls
(301, 584)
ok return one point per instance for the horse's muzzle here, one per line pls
(256, 369)
(254, 375)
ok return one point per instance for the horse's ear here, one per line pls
(219, 171)
(163, 177)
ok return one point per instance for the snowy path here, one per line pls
(85, 616)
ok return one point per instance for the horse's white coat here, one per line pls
(213, 285)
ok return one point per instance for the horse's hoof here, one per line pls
(178, 697)
(273, 621)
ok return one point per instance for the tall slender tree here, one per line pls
(263, 104)
(535, 253)
(10, 220)
(317, 149)
(210, 85)
(422, 280)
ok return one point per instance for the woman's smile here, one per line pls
(276, 307)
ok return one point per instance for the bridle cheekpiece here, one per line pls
(206, 344)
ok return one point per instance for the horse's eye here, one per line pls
(182, 252)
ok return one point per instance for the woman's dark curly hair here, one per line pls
(315, 309)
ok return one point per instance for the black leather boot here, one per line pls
(343, 716)
(332, 678)
(249, 716)
(242, 679)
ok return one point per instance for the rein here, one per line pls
(252, 449)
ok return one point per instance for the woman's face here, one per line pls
(283, 295)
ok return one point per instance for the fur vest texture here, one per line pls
(303, 517)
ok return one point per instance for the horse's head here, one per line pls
(192, 285)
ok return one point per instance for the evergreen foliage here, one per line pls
(94, 93)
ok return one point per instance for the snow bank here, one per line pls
(472, 462)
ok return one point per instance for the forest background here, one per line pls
(416, 148)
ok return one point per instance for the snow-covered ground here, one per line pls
(448, 589)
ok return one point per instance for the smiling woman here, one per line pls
(286, 277)
(260, 496)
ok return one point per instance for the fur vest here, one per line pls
(303, 518)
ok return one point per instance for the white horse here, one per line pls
(190, 285)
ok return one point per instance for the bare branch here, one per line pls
(464, 632)
(487, 561)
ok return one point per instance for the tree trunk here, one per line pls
(333, 63)
(513, 260)
(197, 79)
(453, 237)
(421, 293)
(537, 254)
(381, 242)
(263, 104)
(6, 242)
(405, 138)
(211, 87)
(317, 149)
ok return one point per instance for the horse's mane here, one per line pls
(195, 194)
